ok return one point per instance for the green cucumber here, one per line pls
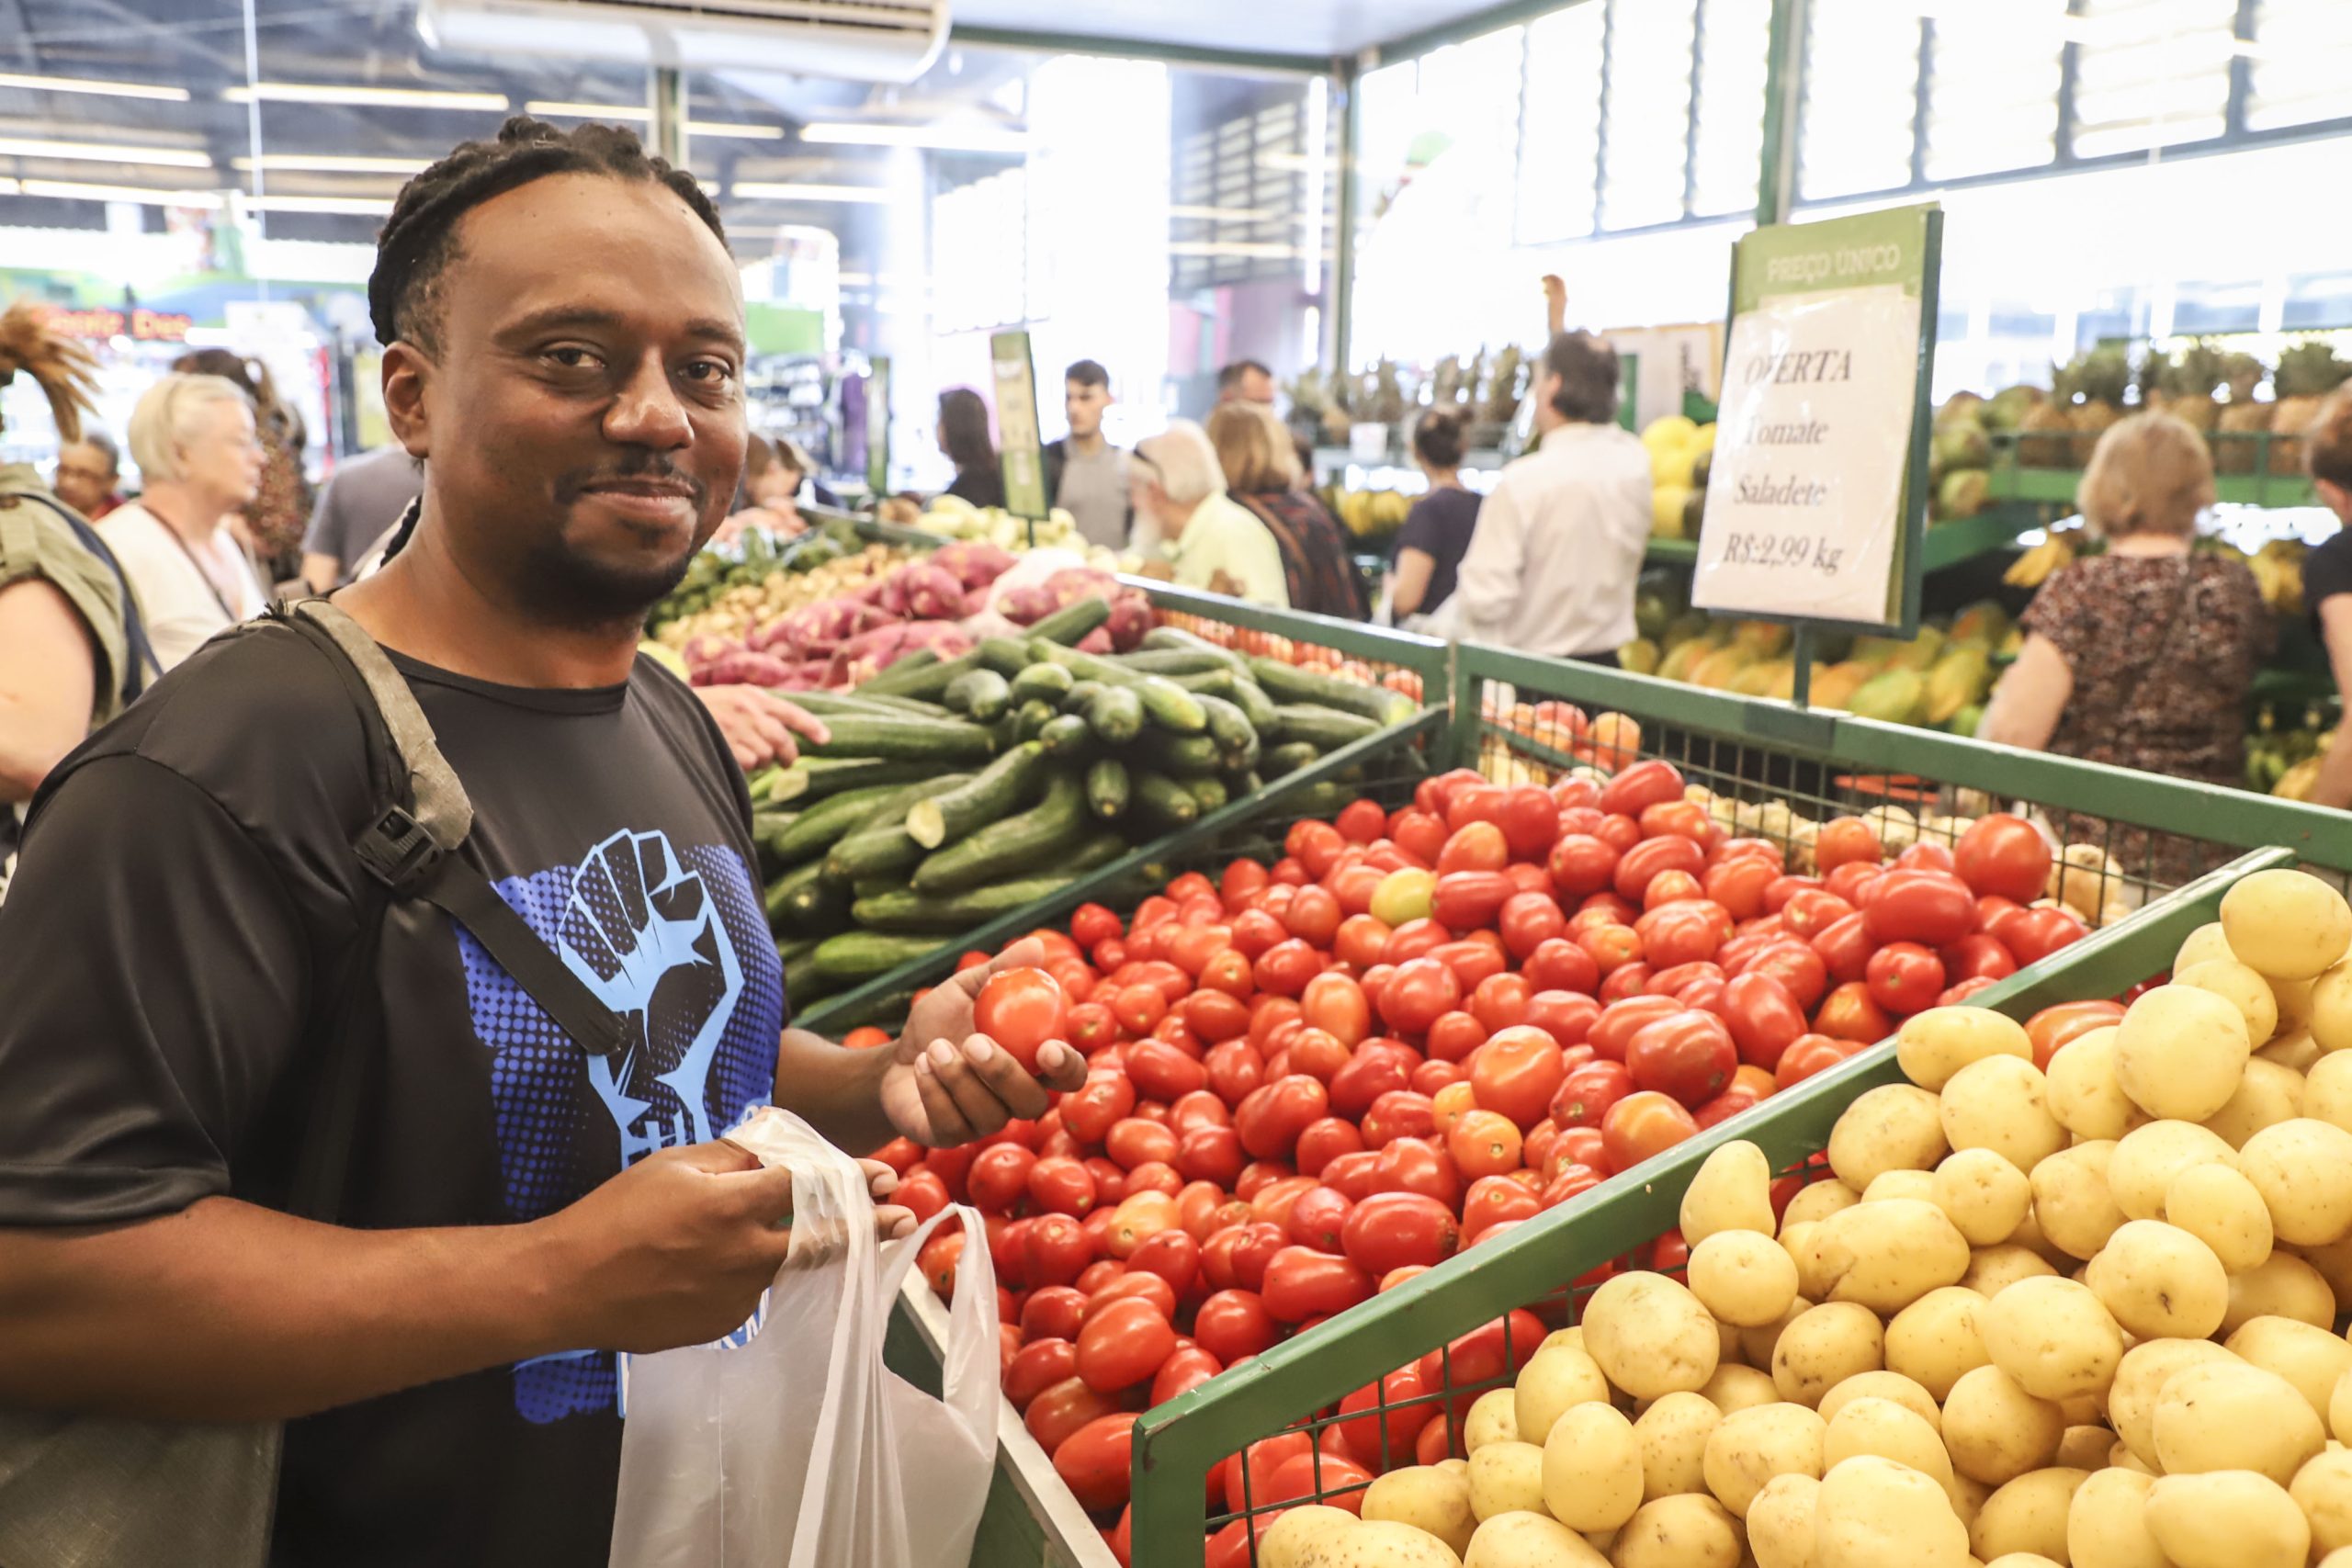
(928, 680)
(1007, 656)
(1072, 621)
(1208, 794)
(1323, 798)
(1228, 725)
(888, 703)
(1175, 661)
(855, 956)
(1244, 783)
(762, 781)
(857, 704)
(879, 845)
(779, 892)
(1097, 850)
(905, 739)
(1243, 692)
(1188, 755)
(1081, 694)
(983, 695)
(1116, 716)
(1289, 683)
(1029, 720)
(1326, 728)
(1033, 839)
(1085, 665)
(904, 909)
(1171, 707)
(874, 886)
(791, 950)
(992, 794)
(1067, 737)
(1160, 805)
(1175, 639)
(819, 904)
(814, 831)
(1106, 789)
(1287, 758)
(905, 668)
(812, 779)
(1050, 682)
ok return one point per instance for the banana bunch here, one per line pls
(2277, 570)
(2037, 565)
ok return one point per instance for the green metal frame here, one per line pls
(1177, 1443)
(2012, 481)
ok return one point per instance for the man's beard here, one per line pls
(569, 588)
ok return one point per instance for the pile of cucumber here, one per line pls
(956, 791)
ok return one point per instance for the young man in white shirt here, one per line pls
(1559, 542)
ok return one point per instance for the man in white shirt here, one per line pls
(1559, 542)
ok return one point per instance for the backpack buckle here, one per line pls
(397, 849)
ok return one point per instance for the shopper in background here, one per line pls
(1211, 543)
(964, 438)
(1085, 475)
(1246, 381)
(89, 475)
(2140, 657)
(194, 440)
(279, 509)
(1261, 472)
(1437, 530)
(1551, 565)
(2328, 579)
(184, 949)
(357, 506)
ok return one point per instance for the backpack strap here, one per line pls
(410, 845)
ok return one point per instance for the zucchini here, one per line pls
(995, 792)
(1007, 656)
(855, 956)
(1325, 729)
(815, 830)
(1106, 789)
(1186, 754)
(1175, 639)
(1287, 758)
(1208, 794)
(1066, 737)
(1035, 838)
(1171, 707)
(1116, 716)
(1030, 717)
(905, 739)
(983, 695)
(1073, 620)
(1050, 682)
(1289, 683)
(928, 681)
(1160, 805)
(1175, 661)
(1228, 725)
(812, 779)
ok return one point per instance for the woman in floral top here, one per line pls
(2140, 657)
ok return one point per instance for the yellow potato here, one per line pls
(2230, 1416)
(1919, 1184)
(1887, 1254)
(2230, 1519)
(2328, 1088)
(1731, 1191)
(2002, 1104)
(2270, 1092)
(1650, 1336)
(2304, 1170)
(1892, 1127)
(1983, 1195)
(2294, 1049)
(1752, 1446)
(1736, 1386)
(2329, 1015)
(1673, 1435)
(2206, 942)
(2180, 1052)
(1824, 1347)
(1933, 1045)
(2285, 924)
(1936, 1338)
(1780, 1522)
(1572, 1336)
(1892, 1386)
(2281, 1285)
(2054, 1337)
(2085, 1095)
(2312, 1359)
(2147, 1158)
(1872, 1512)
(1506, 1478)
(2219, 1206)
(2034, 1237)
(2294, 999)
(2340, 1558)
(2241, 988)
(1555, 1378)
(1882, 1426)
(1425, 1498)
(1819, 1201)
(1744, 1279)
(2139, 1379)
(1285, 1542)
(2323, 1489)
(2071, 1201)
(1685, 1531)
(1757, 1344)
(2023, 1560)
(1803, 1245)
(2333, 1263)
(1996, 1431)
(1493, 1418)
(2085, 1448)
(2027, 1515)
(1529, 1541)
(1991, 1270)
(1591, 1477)
(2107, 1524)
(2159, 1282)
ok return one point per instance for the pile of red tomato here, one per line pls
(1310, 1081)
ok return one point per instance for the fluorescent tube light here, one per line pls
(544, 107)
(930, 137)
(97, 89)
(761, 190)
(74, 190)
(355, 206)
(388, 97)
(731, 128)
(103, 152)
(330, 164)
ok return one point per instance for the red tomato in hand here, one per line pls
(2004, 856)
(1686, 1055)
(1644, 1125)
(1021, 1010)
(1904, 978)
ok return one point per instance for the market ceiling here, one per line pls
(1315, 29)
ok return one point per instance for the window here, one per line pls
(1559, 148)
(2301, 67)
(2151, 73)
(1734, 51)
(1993, 86)
(2318, 301)
(1647, 120)
(1862, 81)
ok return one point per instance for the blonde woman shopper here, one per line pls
(1210, 542)
(200, 459)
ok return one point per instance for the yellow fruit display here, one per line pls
(1667, 504)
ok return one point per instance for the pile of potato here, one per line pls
(2082, 1316)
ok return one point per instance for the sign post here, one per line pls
(1020, 453)
(877, 429)
(1817, 497)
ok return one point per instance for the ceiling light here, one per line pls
(588, 111)
(101, 89)
(8, 188)
(395, 97)
(74, 190)
(103, 152)
(1230, 248)
(331, 163)
(761, 190)
(355, 206)
(1225, 214)
(930, 137)
(728, 128)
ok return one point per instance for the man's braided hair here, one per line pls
(420, 239)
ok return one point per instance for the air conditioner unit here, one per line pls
(861, 41)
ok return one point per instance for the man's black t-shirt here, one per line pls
(174, 952)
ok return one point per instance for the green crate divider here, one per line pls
(2255, 483)
(1177, 1443)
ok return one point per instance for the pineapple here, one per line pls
(2306, 373)
(2241, 417)
(2188, 379)
(1503, 387)
(2100, 381)
(2045, 451)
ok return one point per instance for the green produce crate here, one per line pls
(1298, 1382)
(2137, 834)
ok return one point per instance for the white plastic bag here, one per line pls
(800, 1450)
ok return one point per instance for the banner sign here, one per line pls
(1020, 453)
(877, 428)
